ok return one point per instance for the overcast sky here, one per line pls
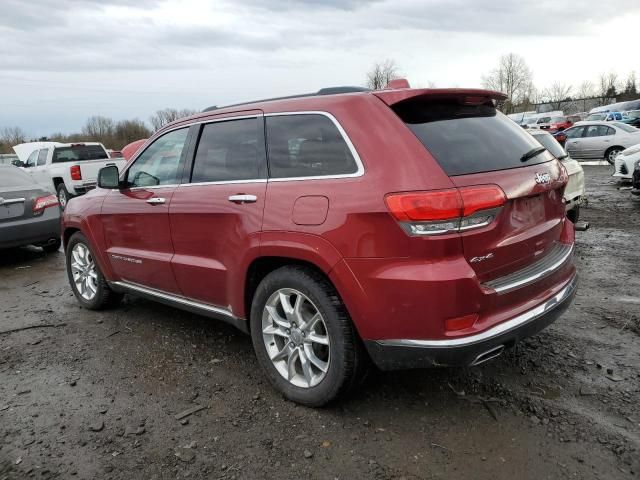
(64, 60)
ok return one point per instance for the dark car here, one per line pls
(408, 227)
(29, 214)
(636, 180)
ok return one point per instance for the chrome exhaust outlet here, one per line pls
(488, 355)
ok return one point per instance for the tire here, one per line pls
(63, 196)
(611, 154)
(52, 247)
(91, 290)
(343, 357)
(574, 214)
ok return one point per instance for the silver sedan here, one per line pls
(600, 139)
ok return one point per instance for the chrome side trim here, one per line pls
(499, 329)
(9, 201)
(227, 182)
(173, 298)
(556, 257)
(358, 173)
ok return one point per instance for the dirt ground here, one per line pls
(96, 394)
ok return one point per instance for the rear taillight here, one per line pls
(76, 174)
(41, 203)
(446, 211)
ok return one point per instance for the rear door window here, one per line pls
(231, 150)
(467, 139)
(308, 145)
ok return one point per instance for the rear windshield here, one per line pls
(551, 144)
(14, 177)
(77, 153)
(625, 127)
(468, 139)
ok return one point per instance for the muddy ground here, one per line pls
(96, 394)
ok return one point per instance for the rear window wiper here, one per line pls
(532, 153)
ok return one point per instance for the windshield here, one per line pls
(550, 144)
(634, 114)
(78, 153)
(626, 128)
(14, 177)
(597, 116)
(468, 138)
(558, 119)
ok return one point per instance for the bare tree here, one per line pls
(556, 94)
(381, 74)
(168, 115)
(586, 90)
(607, 85)
(513, 77)
(127, 131)
(12, 136)
(630, 86)
(99, 129)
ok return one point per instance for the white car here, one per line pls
(574, 192)
(626, 162)
(69, 169)
(599, 140)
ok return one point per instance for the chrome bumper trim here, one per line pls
(552, 261)
(529, 316)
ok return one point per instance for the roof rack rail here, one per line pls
(322, 91)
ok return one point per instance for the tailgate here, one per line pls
(90, 168)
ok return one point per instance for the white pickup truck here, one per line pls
(69, 169)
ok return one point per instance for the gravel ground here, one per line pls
(96, 394)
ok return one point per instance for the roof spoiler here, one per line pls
(470, 96)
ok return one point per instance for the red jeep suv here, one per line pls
(404, 227)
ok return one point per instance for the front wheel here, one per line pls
(303, 337)
(611, 154)
(63, 196)
(87, 282)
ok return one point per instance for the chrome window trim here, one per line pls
(174, 298)
(360, 166)
(504, 327)
(225, 182)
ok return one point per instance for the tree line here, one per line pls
(513, 77)
(113, 134)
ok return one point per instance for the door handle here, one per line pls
(156, 201)
(243, 198)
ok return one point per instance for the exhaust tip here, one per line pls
(488, 355)
(582, 226)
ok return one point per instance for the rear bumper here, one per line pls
(473, 349)
(36, 230)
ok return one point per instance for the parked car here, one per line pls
(625, 162)
(558, 123)
(632, 118)
(600, 140)
(561, 137)
(69, 168)
(27, 216)
(602, 117)
(635, 181)
(574, 192)
(409, 227)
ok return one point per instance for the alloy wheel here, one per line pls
(296, 338)
(83, 269)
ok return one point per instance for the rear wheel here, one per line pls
(63, 196)
(611, 154)
(87, 282)
(303, 337)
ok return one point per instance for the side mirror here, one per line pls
(18, 163)
(109, 177)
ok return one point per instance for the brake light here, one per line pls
(44, 202)
(76, 174)
(446, 211)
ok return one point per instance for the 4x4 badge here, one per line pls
(543, 178)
